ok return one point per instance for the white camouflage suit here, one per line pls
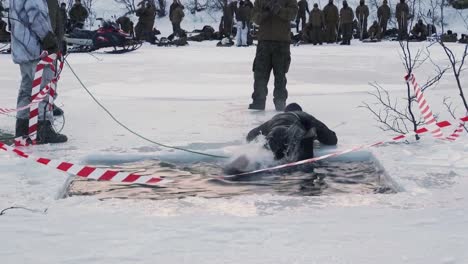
(30, 23)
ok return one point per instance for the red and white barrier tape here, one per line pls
(428, 116)
(37, 96)
(41, 96)
(46, 61)
(426, 111)
(88, 171)
(420, 131)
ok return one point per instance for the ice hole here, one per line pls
(353, 173)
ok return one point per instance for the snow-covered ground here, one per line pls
(197, 96)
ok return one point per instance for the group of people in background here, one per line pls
(330, 24)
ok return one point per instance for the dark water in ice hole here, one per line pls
(198, 180)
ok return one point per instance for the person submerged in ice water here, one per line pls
(289, 136)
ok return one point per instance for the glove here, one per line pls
(49, 43)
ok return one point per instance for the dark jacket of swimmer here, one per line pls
(290, 135)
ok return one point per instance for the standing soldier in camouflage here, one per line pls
(78, 15)
(177, 17)
(383, 14)
(273, 50)
(301, 14)
(230, 9)
(402, 16)
(330, 13)
(316, 20)
(146, 15)
(362, 13)
(346, 19)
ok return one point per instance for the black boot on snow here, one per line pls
(257, 106)
(280, 105)
(57, 111)
(46, 134)
(22, 127)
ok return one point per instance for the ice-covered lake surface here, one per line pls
(197, 97)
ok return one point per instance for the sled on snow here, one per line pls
(108, 36)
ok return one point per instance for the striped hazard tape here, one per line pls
(426, 111)
(88, 172)
(38, 95)
(423, 130)
(428, 116)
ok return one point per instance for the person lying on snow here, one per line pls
(289, 136)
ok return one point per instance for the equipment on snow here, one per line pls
(108, 36)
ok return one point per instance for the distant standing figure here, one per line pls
(316, 21)
(383, 14)
(346, 18)
(229, 11)
(176, 15)
(242, 18)
(78, 15)
(301, 14)
(402, 16)
(331, 15)
(362, 13)
(146, 15)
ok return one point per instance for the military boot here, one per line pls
(57, 111)
(256, 105)
(22, 127)
(46, 134)
(280, 105)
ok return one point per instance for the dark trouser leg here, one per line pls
(262, 68)
(331, 32)
(139, 31)
(303, 22)
(316, 35)
(402, 29)
(364, 28)
(281, 60)
(383, 26)
(347, 33)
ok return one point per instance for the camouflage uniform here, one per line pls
(316, 21)
(176, 15)
(78, 15)
(301, 14)
(346, 18)
(125, 24)
(375, 31)
(419, 31)
(273, 50)
(146, 15)
(330, 13)
(402, 16)
(229, 12)
(362, 12)
(449, 37)
(383, 14)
